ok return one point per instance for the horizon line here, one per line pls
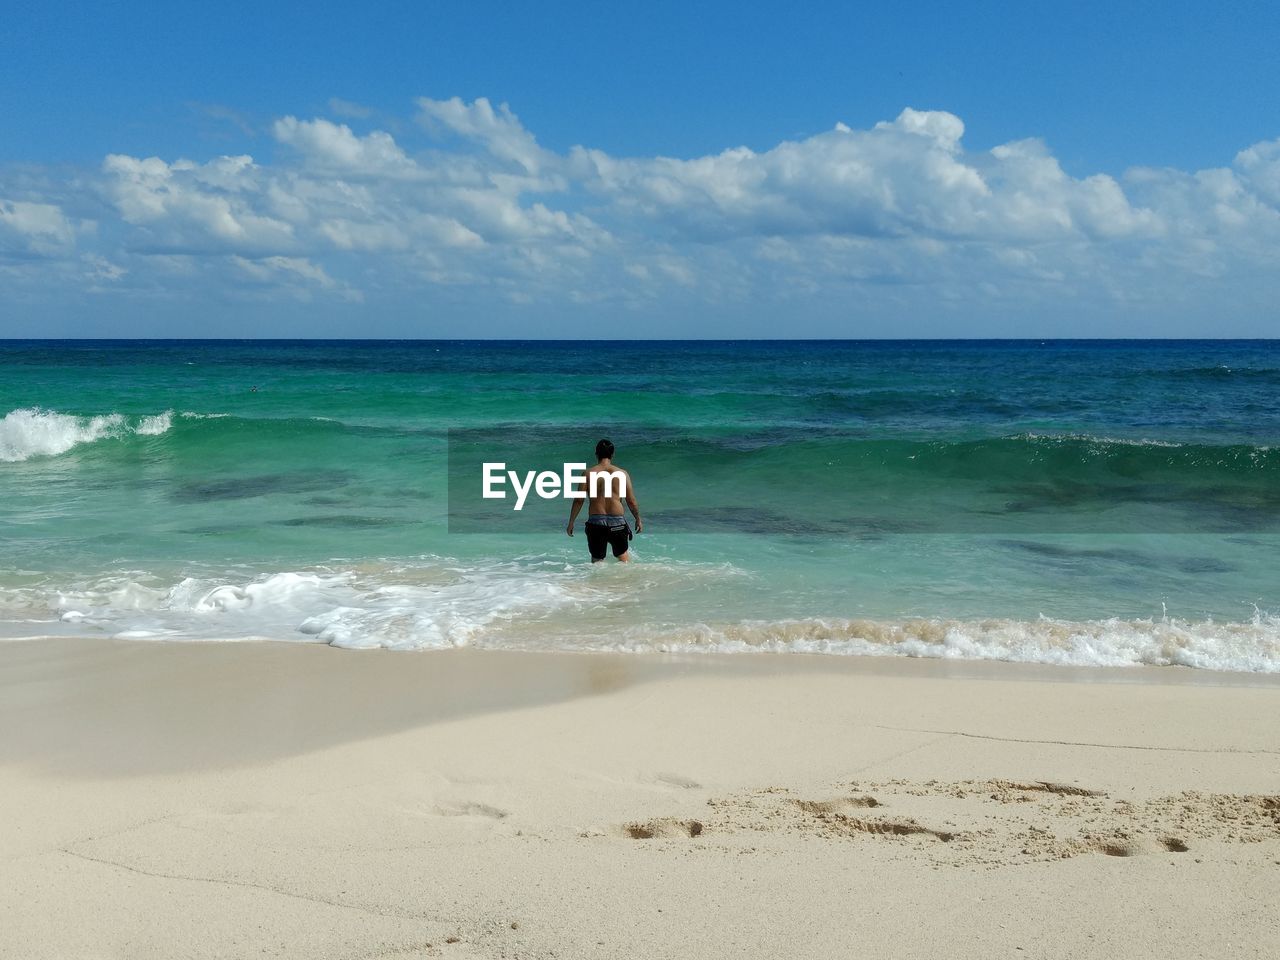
(638, 340)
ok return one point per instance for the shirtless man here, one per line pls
(606, 523)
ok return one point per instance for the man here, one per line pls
(605, 487)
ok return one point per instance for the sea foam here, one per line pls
(31, 432)
(432, 606)
(1251, 646)
(438, 604)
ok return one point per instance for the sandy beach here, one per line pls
(234, 800)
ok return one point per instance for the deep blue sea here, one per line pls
(1102, 502)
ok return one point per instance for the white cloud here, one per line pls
(1259, 168)
(297, 274)
(906, 178)
(34, 228)
(188, 205)
(339, 192)
(901, 212)
(333, 145)
(498, 131)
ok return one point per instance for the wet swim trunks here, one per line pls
(604, 530)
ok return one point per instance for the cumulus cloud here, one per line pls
(38, 229)
(184, 205)
(298, 275)
(333, 146)
(467, 199)
(907, 178)
(1259, 166)
(498, 131)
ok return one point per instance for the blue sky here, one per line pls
(1084, 169)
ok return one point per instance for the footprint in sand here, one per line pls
(665, 827)
(831, 815)
(1117, 847)
(676, 780)
(471, 808)
(1122, 846)
(838, 805)
(889, 828)
(1046, 786)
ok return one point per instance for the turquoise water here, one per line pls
(1083, 502)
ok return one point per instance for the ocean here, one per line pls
(1078, 502)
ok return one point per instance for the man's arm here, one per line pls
(576, 508)
(632, 505)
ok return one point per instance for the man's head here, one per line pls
(604, 450)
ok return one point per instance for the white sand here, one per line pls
(275, 800)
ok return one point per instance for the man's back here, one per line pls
(605, 494)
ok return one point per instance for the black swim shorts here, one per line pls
(601, 536)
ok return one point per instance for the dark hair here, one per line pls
(604, 450)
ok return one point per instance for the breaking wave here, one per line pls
(418, 606)
(33, 432)
(1251, 646)
(548, 605)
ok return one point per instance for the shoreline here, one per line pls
(298, 800)
(1247, 647)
